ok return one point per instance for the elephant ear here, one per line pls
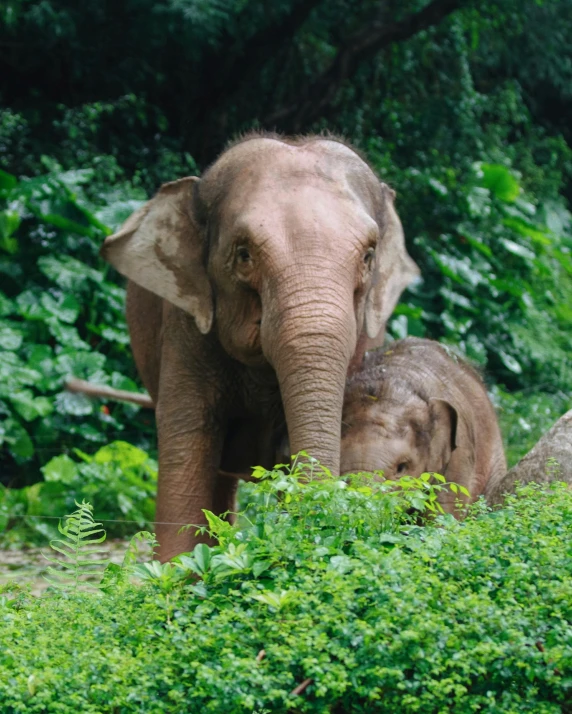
(160, 248)
(394, 270)
(445, 420)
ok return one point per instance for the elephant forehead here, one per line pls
(273, 167)
(301, 210)
(392, 416)
(330, 156)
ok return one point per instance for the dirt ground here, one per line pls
(29, 565)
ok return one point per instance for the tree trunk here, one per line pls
(550, 460)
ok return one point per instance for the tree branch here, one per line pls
(363, 44)
(80, 386)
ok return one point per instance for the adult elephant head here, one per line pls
(287, 252)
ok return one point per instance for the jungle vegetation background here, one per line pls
(463, 107)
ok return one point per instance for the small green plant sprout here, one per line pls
(553, 469)
(116, 575)
(165, 576)
(168, 578)
(80, 562)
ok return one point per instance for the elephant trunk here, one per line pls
(310, 352)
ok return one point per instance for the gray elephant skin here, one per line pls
(549, 460)
(250, 292)
(413, 408)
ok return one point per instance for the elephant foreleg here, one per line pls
(188, 463)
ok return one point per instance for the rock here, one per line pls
(550, 460)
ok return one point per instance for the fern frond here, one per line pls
(78, 547)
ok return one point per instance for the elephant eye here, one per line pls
(402, 467)
(369, 256)
(242, 255)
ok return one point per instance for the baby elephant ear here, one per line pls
(160, 248)
(394, 269)
(445, 419)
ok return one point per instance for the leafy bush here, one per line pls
(120, 477)
(59, 317)
(327, 599)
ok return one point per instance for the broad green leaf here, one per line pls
(125, 455)
(9, 222)
(18, 439)
(7, 181)
(67, 224)
(524, 228)
(66, 335)
(60, 468)
(517, 249)
(458, 299)
(220, 528)
(114, 335)
(6, 305)
(260, 566)
(83, 365)
(30, 407)
(117, 213)
(510, 362)
(10, 339)
(460, 270)
(479, 202)
(67, 272)
(40, 356)
(65, 308)
(341, 563)
(76, 404)
(202, 554)
(30, 307)
(75, 177)
(120, 381)
(478, 245)
(500, 182)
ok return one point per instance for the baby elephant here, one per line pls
(413, 408)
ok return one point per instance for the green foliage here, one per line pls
(119, 476)
(382, 616)
(525, 417)
(117, 576)
(59, 317)
(81, 556)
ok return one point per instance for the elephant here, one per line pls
(251, 292)
(549, 460)
(413, 408)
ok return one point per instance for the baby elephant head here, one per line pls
(388, 427)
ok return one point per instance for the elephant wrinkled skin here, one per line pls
(250, 292)
(412, 409)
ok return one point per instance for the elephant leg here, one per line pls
(188, 463)
(190, 427)
(224, 499)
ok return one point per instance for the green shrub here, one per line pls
(331, 587)
(119, 477)
(60, 316)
